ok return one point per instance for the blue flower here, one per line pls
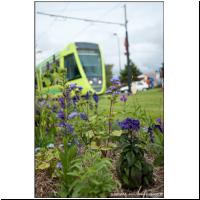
(95, 97)
(54, 108)
(62, 102)
(61, 124)
(159, 127)
(123, 98)
(115, 93)
(69, 127)
(59, 165)
(61, 114)
(80, 88)
(72, 86)
(75, 99)
(158, 120)
(50, 146)
(67, 93)
(72, 115)
(83, 116)
(112, 88)
(115, 81)
(87, 96)
(108, 91)
(130, 124)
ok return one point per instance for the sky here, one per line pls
(145, 31)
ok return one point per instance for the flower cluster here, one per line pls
(123, 98)
(130, 124)
(115, 81)
(158, 126)
(114, 88)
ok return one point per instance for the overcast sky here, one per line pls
(145, 29)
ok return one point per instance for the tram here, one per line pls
(84, 64)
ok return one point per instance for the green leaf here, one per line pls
(44, 165)
(94, 145)
(116, 133)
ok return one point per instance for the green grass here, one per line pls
(151, 101)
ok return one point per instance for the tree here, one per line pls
(109, 74)
(134, 71)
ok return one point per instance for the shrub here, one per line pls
(90, 176)
(132, 168)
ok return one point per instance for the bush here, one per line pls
(90, 176)
(132, 168)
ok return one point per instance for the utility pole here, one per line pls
(104, 22)
(127, 52)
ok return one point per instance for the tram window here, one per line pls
(72, 68)
(91, 63)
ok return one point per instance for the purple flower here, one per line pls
(72, 115)
(158, 120)
(69, 127)
(83, 116)
(123, 98)
(80, 88)
(59, 165)
(108, 91)
(95, 97)
(116, 93)
(130, 124)
(87, 96)
(150, 131)
(75, 99)
(115, 81)
(61, 124)
(54, 108)
(159, 128)
(62, 102)
(61, 114)
(67, 93)
(72, 86)
(112, 87)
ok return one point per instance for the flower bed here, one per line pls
(83, 152)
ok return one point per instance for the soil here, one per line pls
(47, 187)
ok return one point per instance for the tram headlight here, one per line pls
(99, 82)
(91, 82)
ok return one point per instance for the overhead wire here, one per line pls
(104, 14)
(51, 24)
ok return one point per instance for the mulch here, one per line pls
(47, 187)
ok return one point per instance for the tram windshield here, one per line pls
(91, 63)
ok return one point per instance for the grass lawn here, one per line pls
(151, 101)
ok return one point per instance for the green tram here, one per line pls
(84, 64)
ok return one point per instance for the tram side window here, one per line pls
(72, 68)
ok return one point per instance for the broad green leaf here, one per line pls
(44, 165)
(116, 133)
